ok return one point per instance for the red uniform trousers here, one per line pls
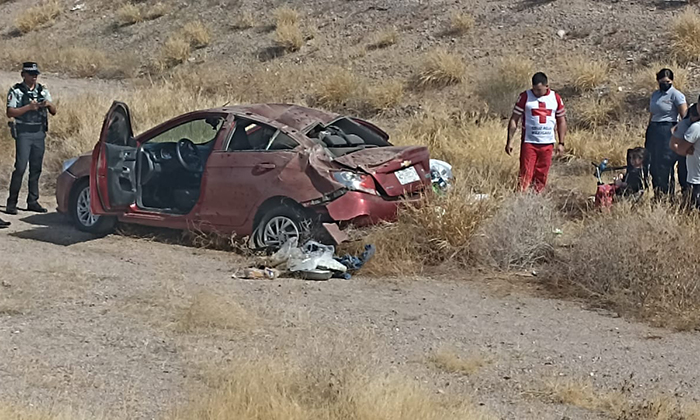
(535, 161)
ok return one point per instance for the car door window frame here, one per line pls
(273, 137)
(200, 117)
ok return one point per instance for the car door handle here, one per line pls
(265, 166)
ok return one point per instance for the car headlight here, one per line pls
(356, 182)
(68, 163)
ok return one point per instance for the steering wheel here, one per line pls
(188, 155)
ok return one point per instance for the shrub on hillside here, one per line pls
(440, 68)
(197, 34)
(501, 88)
(520, 233)
(586, 74)
(129, 14)
(460, 24)
(384, 39)
(41, 14)
(685, 37)
(285, 15)
(289, 37)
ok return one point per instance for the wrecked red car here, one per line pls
(268, 171)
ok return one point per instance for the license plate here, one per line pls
(407, 176)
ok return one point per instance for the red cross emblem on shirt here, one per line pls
(542, 112)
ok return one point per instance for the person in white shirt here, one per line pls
(667, 104)
(542, 114)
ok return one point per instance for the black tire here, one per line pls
(102, 224)
(291, 218)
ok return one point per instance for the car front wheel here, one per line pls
(279, 225)
(81, 214)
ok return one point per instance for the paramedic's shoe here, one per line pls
(4, 224)
(11, 210)
(36, 207)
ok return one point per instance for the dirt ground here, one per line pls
(94, 323)
(109, 325)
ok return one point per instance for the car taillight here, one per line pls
(356, 182)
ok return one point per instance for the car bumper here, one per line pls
(64, 185)
(363, 209)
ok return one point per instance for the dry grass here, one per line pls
(610, 142)
(438, 231)
(473, 146)
(75, 61)
(14, 412)
(384, 39)
(207, 311)
(34, 17)
(384, 96)
(440, 68)
(176, 50)
(640, 260)
(460, 24)
(341, 89)
(338, 88)
(586, 74)
(617, 403)
(520, 233)
(685, 37)
(450, 361)
(583, 394)
(500, 90)
(197, 34)
(157, 10)
(594, 111)
(129, 14)
(13, 306)
(279, 390)
(644, 80)
(285, 15)
(245, 20)
(289, 37)
(662, 408)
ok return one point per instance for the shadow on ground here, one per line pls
(52, 228)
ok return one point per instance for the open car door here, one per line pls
(113, 168)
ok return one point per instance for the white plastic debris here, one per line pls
(312, 256)
(77, 7)
(443, 168)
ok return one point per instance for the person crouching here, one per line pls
(633, 183)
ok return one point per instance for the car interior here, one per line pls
(171, 165)
(344, 136)
(249, 135)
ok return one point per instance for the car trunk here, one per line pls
(398, 171)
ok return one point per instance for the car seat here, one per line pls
(240, 141)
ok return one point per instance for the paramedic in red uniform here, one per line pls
(542, 112)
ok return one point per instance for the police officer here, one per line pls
(28, 103)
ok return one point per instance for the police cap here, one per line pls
(30, 67)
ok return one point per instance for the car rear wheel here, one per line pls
(82, 216)
(279, 225)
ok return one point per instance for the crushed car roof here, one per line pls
(295, 116)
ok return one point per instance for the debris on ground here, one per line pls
(441, 175)
(354, 264)
(259, 273)
(312, 261)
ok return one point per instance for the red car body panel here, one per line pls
(236, 184)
